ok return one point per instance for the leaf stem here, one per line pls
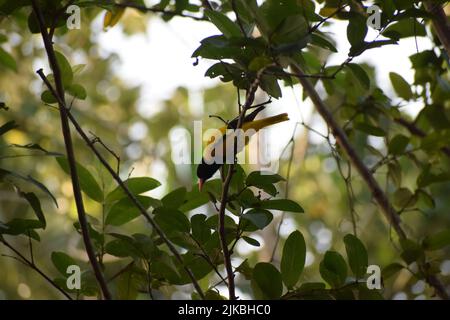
(48, 43)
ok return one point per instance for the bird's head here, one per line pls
(206, 171)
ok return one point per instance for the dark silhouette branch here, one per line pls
(31, 264)
(48, 43)
(378, 194)
(121, 183)
(440, 23)
(250, 97)
(413, 129)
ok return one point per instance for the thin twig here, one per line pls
(440, 23)
(413, 129)
(378, 194)
(238, 18)
(48, 43)
(33, 266)
(338, 10)
(286, 191)
(121, 271)
(100, 141)
(126, 190)
(205, 256)
(250, 97)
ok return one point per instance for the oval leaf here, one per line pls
(293, 258)
(266, 282)
(357, 255)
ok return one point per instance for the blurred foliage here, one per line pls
(317, 256)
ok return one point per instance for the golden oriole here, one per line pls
(216, 152)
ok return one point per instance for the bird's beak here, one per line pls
(200, 184)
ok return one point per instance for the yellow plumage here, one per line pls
(215, 150)
(255, 125)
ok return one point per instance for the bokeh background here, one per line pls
(143, 87)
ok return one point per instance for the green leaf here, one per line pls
(29, 179)
(213, 222)
(8, 7)
(122, 247)
(360, 74)
(403, 198)
(136, 185)
(10, 125)
(356, 29)
(437, 241)
(77, 91)
(395, 173)
(428, 177)
(266, 282)
(404, 29)
(398, 144)
(333, 269)
(33, 24)
(175, 198)
(171, 220)
(200, 229)
(194, 199)
(264, 181)
(281, 204)
(391, 270)
(223, 23)
(356, 255)
(426, 199)
(401, 87)
(293, 259)
(34, 202)
(369, 129)
(65, 69)
(251, 241)
(7, 60)
(22, 226)
(320, 41)
(411, 251)
(270, 85)
(124, 210)
(48, 97)
(259, 218)
(261, 177)
(259, 63)
(87, 182)
(291, 33)
(62, 261)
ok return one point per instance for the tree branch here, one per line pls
(440, 23)
(226, 186)
(378, 194)
(70, 151)
(33, 266)
(413, 129)
(121, 183)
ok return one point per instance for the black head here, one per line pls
(206, 171)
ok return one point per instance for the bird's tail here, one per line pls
(262, 123)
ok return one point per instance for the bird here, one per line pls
(209, 166)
